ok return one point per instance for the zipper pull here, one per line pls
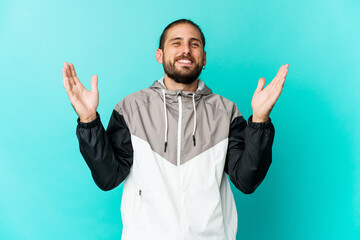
(165, 146)
(139, 192)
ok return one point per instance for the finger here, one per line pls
(278, 87)
(94, 83)
(72, 68)
(283, 76)
(280, 77)
(65, 77)
(66, 82)
(285, 70)
(73, 73)
(260, 85)
(282, 80)
(68, 73)
(274, 82)
(64, 73)
(280, 72)
(68, 70)
(66, 85)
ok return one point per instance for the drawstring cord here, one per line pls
(166, 120)
(166, 123)
(193, 98)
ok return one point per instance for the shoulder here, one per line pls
(134, 101)
(222, 104)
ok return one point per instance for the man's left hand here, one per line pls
(264, 99)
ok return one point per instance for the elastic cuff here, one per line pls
(91, 124)
(262, 125)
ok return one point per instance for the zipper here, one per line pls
(178, 159)
(179, 131)
(140, 199)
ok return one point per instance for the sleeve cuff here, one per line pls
(91, 124)
(262, 125)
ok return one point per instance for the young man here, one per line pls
(172, 144)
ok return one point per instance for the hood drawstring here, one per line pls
(193, 98)
(166, 120)
(166, 123)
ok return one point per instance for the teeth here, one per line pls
(184, 61)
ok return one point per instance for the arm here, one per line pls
(108, 154)
(249, 153)
(249, 149)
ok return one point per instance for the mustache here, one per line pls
(185, 57)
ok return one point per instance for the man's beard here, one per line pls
(184, 76)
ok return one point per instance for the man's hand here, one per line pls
(83, 101)
(264, 99)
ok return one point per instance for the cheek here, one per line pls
(171, 58)
(168, 60)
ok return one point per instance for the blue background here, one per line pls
(312, 190)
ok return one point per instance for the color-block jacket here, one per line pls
(172, 150)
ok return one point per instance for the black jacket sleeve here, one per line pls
(108, 154)
(249, 153)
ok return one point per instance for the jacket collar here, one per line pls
(202, 89)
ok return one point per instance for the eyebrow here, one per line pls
(180, 38)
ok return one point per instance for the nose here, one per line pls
(186, 49)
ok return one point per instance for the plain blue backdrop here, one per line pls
(312, 190)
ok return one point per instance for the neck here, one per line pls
(170, 84)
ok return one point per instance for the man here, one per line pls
(172, 143)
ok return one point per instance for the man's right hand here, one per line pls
(84, 102)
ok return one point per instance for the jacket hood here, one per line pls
(202, 89)
(171, 97)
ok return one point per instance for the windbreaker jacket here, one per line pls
(172, 150)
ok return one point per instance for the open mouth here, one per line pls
(184, 62)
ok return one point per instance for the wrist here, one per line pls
(88, 118)
(259, 119)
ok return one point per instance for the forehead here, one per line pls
(184, 30)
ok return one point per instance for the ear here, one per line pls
(204, 58)
(159, 55)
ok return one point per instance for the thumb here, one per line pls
(260, 85)
(94, 83)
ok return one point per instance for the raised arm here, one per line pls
(249, 153)
(108, 154)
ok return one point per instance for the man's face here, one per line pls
(183, 56)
